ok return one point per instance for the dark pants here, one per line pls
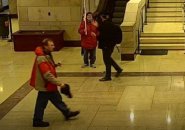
(42, 101)
(89, 54)
(108, 61)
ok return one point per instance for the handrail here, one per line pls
(141, 25)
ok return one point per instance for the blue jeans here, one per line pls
(89, 54)
(42, 101)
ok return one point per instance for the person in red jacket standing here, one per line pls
(44, 79)
(89, 33)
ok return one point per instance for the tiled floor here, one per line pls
(126, 103)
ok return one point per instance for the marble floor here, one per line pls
(150, 95)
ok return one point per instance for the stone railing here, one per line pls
(131, 27)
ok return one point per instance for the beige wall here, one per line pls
(13, 6)
(51, 15)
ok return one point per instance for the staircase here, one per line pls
(168, 41)
(164, 29)
(119, 11)
(165, 11)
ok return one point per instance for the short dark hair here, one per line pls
(89, 13)
(45, 41)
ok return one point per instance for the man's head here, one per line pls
(89, 16)
(48, 45)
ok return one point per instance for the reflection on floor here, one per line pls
(147, 101)
(126, 103)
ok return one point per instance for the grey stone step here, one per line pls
(120, 3)
(117, 20)
(118, 15)
(119, 9)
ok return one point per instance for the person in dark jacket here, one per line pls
(44, 80)
(106, 43)
(89, 40)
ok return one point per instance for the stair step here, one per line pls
(159, 14)
(119, 9)
(118, 15)
(162, 35)
(117, 20)
(167, 1)
(164, 19)
(163, 46)
(167, 5)
(164, 40)
(162, 9)
(120, 3)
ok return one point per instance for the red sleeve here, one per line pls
(44, 67)
(97, 32)
(81, 28)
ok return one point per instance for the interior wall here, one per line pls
(53, 15)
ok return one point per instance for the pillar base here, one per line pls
(128, 57)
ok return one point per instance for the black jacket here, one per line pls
(106, 30)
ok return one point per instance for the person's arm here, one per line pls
(45, 71)
(81, 29)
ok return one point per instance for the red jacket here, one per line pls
(44, 77)
(88, 41)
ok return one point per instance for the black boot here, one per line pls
(118, 73)
(40, 124)
(72, 114)
(104, 79)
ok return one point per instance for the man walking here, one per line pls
(107, 44)
(44, 79)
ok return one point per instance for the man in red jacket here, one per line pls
(89, 33)
(44, 79)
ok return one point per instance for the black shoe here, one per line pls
(66, 90)
(118, 73)
(72, 114)
(40, 124)
(105, 79)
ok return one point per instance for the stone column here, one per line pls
(130, 27)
